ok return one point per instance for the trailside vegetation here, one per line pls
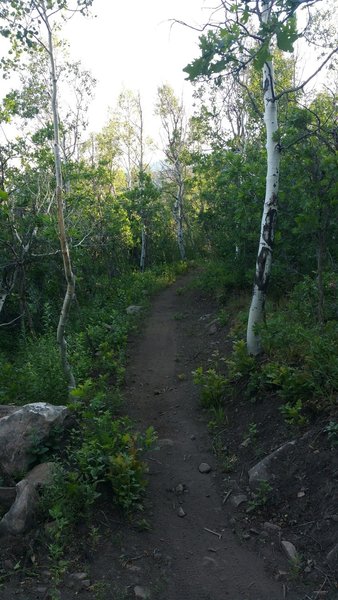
(94, 208)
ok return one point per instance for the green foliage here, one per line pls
(218, 418)
(292, 413)
(240, 364)
(260, 497)
(250, 437)
(35, 375)
(212, 384)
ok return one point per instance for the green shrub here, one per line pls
(213, 386)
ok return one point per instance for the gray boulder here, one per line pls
(20, 516)
(264, 470)
(22, 429)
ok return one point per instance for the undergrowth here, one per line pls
(299, 366)
(103, 451)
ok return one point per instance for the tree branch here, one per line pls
(302, 85)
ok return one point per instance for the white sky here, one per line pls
(133, 45)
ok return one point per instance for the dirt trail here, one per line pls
(187, 562)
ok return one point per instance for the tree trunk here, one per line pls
(143, 248)
(269, 217)
(69, 275)
(178, 215)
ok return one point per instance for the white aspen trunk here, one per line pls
(143, 248)
(269, 217)
(69, 275)
(178, 215)
(3, 296)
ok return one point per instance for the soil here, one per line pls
(191, 542)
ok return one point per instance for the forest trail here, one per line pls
(181, 558)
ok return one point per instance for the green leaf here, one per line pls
(263, 55)
(287, 35)
(3, 195)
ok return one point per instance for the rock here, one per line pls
(78, 581)
(332, 556)
(20, 516)
(209, 562)
(263, 471)
(165, 442)
(237, 500)
(7, 409)
(18, 429)
(289, 550)
(141, 593)
(193, 437)
(133, 309)
(7, 496)
(212, 329)
(41, 475)
(272, 529)
(179, 489)
(181, 513)
(204, 468)
(245, 536)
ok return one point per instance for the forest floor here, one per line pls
(191, 541)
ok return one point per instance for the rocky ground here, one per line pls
(206, 532)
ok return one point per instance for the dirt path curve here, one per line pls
(187, 561)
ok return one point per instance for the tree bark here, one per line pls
(178, 216)
(269, 217)
(143, 248)
(69, 275)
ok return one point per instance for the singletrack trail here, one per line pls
(184, 559)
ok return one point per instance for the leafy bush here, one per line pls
(213, 386)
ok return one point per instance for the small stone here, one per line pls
(78, 576)
(192, 437)
(289, 550)
(78, 581)
(281, 575)
(133, 309)
(204, 468)
(271, 527)
(181, 513)
(209, 562)
(141, 593)
(238, 499)
(165, 442)
(246, 536)
(179, 489)
(212, 329)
